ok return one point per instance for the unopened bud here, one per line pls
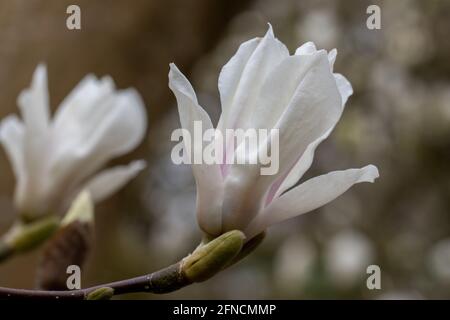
(208, 259)
(29, 236)
(70, 245)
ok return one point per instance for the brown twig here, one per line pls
(165, 280)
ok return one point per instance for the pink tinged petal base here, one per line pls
(310, 195)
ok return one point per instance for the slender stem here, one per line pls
(165, 280)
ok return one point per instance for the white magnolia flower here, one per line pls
(263, 86)
(53, 159)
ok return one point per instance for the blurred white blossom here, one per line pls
(347, 257)
(294, 263)
(53, 159)
(439, 260)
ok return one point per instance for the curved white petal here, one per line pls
(344, 87)
(12, 134)
(207, 177)
(33, 103)
(313, 107)
(107, 182)
(306, 49)
(82, 100)
(34, 106)
(231, 74)
(332, 58)
(310, 195)
(242, 77)
(305, 161)
(302, 165)
(115, 125)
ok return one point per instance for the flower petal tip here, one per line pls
(370, 174)
(138, 165)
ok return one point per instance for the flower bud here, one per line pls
(208, 259)
(29, 236)
(70, 245)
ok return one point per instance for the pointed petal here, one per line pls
(12, 134)
(332, 58)
(310, 195)
(242, 77)
(314, 108)
(302, 165)
(109, 181)
(208, 177)
(34, 106)
(344, 87)
(33, 103)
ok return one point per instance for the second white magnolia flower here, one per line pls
(53, 159)
(263, 86)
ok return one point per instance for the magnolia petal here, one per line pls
(12, 133)
(207, 177)
(80, 103)
(33, 103)
(332, 58)
(302, 165)
(306, 49)
(313, 108)
(344, 87)
(305, 161)
(115, 126)
(231, 73)
(310, 195)
(280, 88)
(34, 106)
(107, 182)
(242, 77)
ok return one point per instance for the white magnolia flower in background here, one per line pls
(263, 86)
(53, 159)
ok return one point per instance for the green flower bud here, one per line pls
(208, 259)
(29, 236)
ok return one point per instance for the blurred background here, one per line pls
(398, 119)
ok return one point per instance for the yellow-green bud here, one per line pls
(28, 236)
(208, 259)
